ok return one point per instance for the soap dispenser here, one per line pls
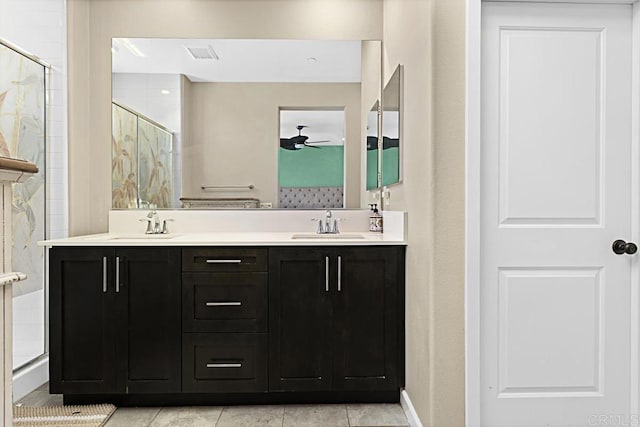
(375, 219)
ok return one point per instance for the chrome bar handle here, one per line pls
(227, 187)
(223, 303)
(224, 365)
(224, 261)
(339, 273)
(117, 274)
(326, 274)
(104, 274)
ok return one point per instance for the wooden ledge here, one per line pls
(18, 165)
(16, 170)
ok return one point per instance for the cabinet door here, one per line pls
(82, 320)
(366, 320)
(149, 334)
(299, 320)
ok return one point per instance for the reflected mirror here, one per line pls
(220, 101)
(392, 129)
(372, 148)
(311, 159)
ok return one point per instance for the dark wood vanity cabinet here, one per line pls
(336, 318)
(205, 325)
(114, 320)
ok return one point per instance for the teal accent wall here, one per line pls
(390, 166)
(372, 169)
(311, 167)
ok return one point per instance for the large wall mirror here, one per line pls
(213, 113)
(392, 129)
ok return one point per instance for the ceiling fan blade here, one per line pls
(318, 142)
(312, 146)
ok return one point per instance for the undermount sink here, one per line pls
(327, 236)
(141, 237)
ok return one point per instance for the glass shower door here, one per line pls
(23, 135)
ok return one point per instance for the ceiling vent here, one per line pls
(200, 52)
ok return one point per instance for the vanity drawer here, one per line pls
(224, 363)
(224, 259)
(224, 302)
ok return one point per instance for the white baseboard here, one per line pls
(30, 378)
(409, 410)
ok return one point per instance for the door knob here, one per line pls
(621, 247)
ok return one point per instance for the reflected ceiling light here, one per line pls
(165, 92)
(127, 44)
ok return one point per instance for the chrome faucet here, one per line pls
(153, 217)
(154, 225)
(326, 226)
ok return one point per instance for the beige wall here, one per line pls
(92, 24)
(406, 41)
(427, 37)
(234, 128)
(447, 293)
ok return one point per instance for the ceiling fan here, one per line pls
(299, 141)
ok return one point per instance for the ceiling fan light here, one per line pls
(298, 146)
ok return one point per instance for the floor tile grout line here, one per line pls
(155, 416)
(284, 411)
(219, 416)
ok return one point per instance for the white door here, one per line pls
(555, 187)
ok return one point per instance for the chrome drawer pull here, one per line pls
(224, 365)
(326, 274)
(339, 273)
(223, 303)
(224, 261)
(117, 274)
(104, 274)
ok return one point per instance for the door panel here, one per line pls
(556, 179)
(553, 352)
(551, 125)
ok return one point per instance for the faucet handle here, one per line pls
(151, 214)
(336, 230)
(149, 226)
(165, 230)
(320, 229)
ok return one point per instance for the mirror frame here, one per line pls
(375, 107)
(399, 72)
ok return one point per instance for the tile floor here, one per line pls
(362, 415)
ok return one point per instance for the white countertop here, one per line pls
(303, 238)
(248, 227)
